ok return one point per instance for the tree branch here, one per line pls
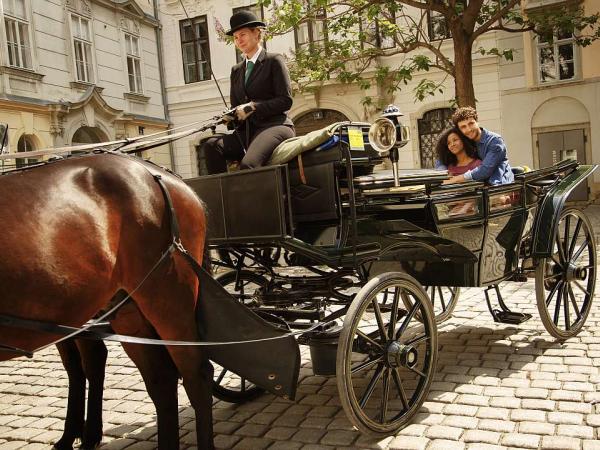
(495, 18)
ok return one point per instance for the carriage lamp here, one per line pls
(387, 135)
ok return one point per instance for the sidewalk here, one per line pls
(497, 386)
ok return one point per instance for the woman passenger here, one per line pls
(456, 153)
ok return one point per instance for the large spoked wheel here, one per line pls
(246, 288)
(565, 281)
(386, 357)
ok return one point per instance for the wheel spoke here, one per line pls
(385, 395)
(369, 340)
(444, 307)
(574, 301)
(552, 277)
(574, 238)
(243, 387)
(379, 319)
(579, 251)
(371, 386)
(394, 313)
(566, 237)
(566, 307)
(400, 388)
(433, 296)
(365, 365)
(552, 292)
(418, 340)
(558, 263)
(407, 320)
(561, 254)
(557, 307)
(581, 288)
(417, 371)
(221, 376)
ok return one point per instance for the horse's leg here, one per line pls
(157, 369)
(71, 359)
(173, 318)
(93, 358)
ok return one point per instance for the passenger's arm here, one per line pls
(496, 153)
(282, 88)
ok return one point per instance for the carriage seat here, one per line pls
(322, 139)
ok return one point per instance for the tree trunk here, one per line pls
(463, 76)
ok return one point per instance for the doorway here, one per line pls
(556, 146)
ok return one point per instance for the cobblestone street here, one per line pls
(497, 386)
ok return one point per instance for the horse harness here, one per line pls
(98, 329)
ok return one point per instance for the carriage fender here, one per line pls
(429, 257)
(549, 212)
(273, 363)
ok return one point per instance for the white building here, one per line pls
(521, 99)
(80, 71)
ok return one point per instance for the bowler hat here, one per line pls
(243, 19)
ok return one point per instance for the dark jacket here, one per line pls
(269, 87)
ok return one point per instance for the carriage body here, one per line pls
(319, 241)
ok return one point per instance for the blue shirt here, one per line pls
(494, 166)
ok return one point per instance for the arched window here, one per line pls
(430, 126)
(317, 119)
(25, 144)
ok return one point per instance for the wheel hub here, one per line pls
(398, 355)
(575, 273)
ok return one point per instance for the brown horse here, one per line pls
(79, 233)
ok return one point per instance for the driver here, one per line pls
(261, 94)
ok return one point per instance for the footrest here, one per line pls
(511, 317)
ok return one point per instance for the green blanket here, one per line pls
(292, 147)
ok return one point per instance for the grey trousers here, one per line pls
(219, 149)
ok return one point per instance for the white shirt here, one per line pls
(256, 55)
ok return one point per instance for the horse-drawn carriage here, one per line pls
(320, 249)
(361, 265)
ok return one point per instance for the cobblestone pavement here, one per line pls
(497, 386)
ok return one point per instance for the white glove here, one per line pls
(244, 111)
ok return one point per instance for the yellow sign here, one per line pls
(355, 136)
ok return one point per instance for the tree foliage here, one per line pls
(387, 43)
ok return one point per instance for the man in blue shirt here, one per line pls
(494, 168)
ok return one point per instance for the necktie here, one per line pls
(249, 67)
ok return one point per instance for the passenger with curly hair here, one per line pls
(456, 153)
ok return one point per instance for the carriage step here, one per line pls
(511, 317)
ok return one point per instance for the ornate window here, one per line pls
(430, 126)
(81, 33)
(134, 63)
(17, 33)
(437, 26)
(25, 144)
(557, 58)
(195, 49)
(312, 32)
(259, 12)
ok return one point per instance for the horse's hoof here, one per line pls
(62, 446)
(90, 445)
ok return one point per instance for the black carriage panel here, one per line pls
(246, 206)
(506, 217)
(313, 186)
(459, 214)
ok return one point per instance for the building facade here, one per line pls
(521, 99)
(80, 71)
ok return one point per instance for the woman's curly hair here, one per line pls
(445, 156)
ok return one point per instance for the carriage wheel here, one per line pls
(386, 357)
(443, 299)
(565, 281)
(228, 386)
